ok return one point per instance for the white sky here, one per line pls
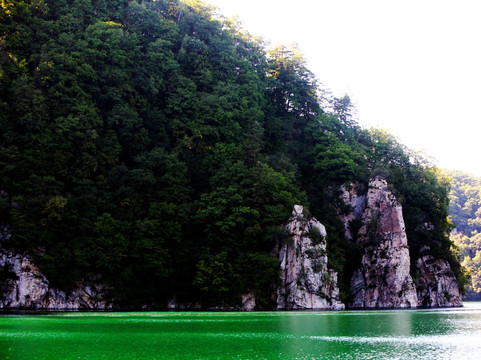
(412, 67)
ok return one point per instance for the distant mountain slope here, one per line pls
(465, 212)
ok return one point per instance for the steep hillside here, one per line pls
(156, 150)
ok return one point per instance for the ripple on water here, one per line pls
(407, 335)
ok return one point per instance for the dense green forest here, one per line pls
(465, 212)
(157, 148)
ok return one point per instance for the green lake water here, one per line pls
(402, 334)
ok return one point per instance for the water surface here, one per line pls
(402, 334)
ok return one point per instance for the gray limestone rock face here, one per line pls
(437, 286)
(356, 203)
(249, 301)
(306, 282)
(29, 289)
(383, 281)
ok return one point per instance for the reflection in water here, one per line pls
(400, 325)
(415, 334)
(403, 334)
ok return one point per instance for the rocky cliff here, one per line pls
(436, 284)
(25, 287)
(306, 282)
(383, 279)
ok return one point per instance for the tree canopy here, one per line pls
(158, 148)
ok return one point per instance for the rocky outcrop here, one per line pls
(306, 282)
(249, 301)
(355, 204)
(383, 281)
(436, 284)
(375, 221)
(27, 288)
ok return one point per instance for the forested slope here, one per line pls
(465, 212)
(157, 149)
